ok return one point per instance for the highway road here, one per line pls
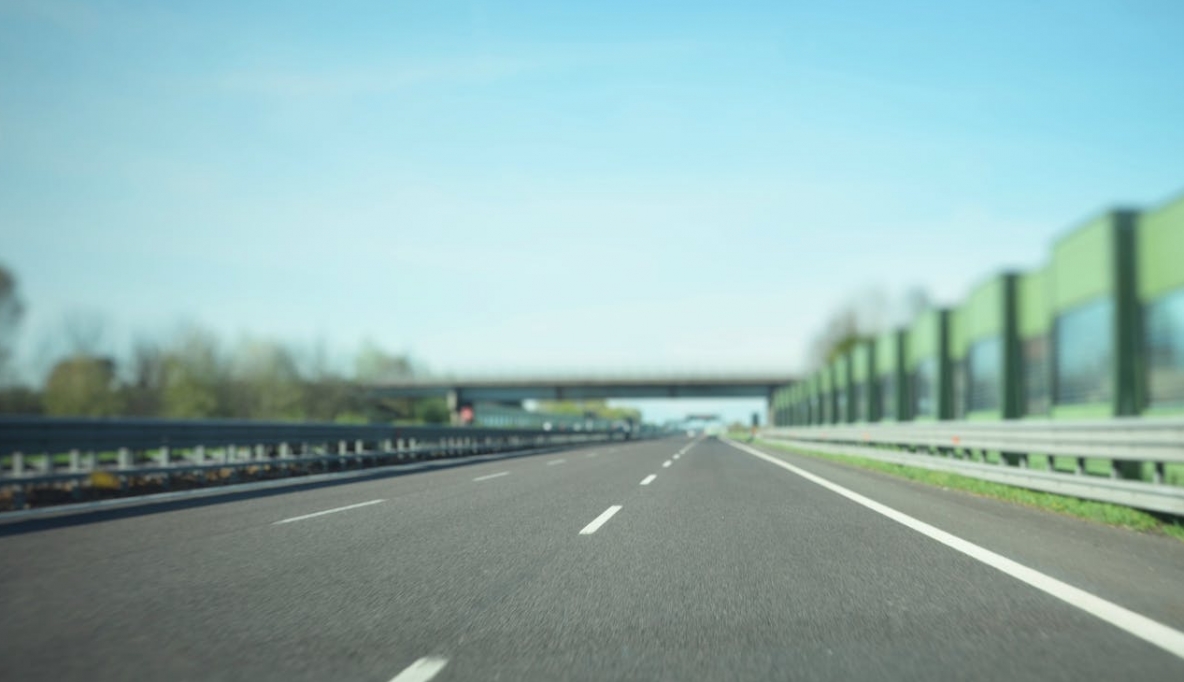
(675, 559)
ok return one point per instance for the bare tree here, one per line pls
(267, 382)
(12, 309)
(865, 316)
(84, 332)
(375, 365)
(914, 302)
(147, 371)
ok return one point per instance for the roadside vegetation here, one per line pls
(195, 374)
(1100, 512)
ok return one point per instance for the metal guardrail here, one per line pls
(962, 447)
(69, 453)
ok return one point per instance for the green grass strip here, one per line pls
(1100, 512)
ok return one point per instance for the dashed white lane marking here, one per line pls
(591, 454)
(556, 461)
(1140, 626)
(648, 479)
(486, 478)
(328, 511)
(422, 670)
(600, 520)
(666, 463)
(676, 456)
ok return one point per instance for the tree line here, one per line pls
(195, 375)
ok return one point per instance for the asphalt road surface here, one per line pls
(597, 563)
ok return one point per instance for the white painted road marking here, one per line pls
(600, 520)
(556, 461)
(648, 479)
(422, 670)
(328, 511)
(591, 454)
(486, 478)
(666, 463)
(677, 455)
(1140, 626)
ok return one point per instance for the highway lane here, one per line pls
(182, 592)
(720, 566)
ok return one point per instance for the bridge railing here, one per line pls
(66, 458)
(1137, 462)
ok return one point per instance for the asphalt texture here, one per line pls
(723, 567)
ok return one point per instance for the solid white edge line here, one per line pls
(328, 511)
(556, 461)
(600, 520)
(666, 463)
(1146, 629)
(422, 670)
(648, 479)
(489, 476)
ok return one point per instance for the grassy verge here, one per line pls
(1101, 512)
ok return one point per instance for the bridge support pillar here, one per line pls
(453, 398)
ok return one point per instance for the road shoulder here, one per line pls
(1140, 571)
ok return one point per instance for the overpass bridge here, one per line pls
(462, 391)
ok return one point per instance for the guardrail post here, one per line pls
(18, 463)
(199, 454)
(1157, 474)
(1080, 468)
(91, 460)
(75, 460)
(1128, 469)
(229, 457)
(124, 463)
(166, 460)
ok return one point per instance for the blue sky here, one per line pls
(543, 186)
